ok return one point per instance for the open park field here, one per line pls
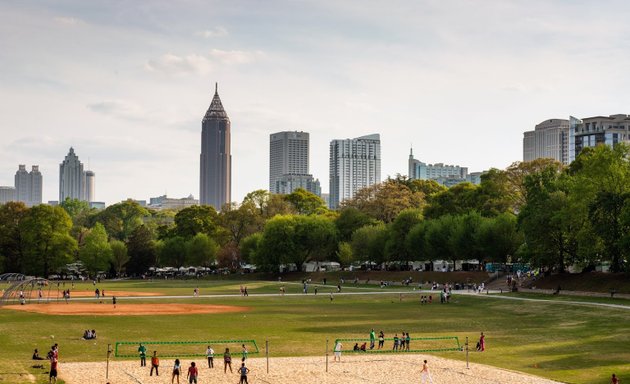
(563, 340)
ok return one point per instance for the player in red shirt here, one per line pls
(192, 373)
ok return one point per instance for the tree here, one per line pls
(368, 243)
(344, 254)
(142, 251)
(305, 203)
(259, 199)
(315, 239)
(438, 235)
(499, 238)
(249, 247)
(416, 242)
(75, 208)
(197, 219)
(277, 245)
(395, 249)
(120, 257)
(605, 214)
(386, 200)
(173, 252)
(122, 219)
(202, 250)
(96, 253)
(11, 236)
(240, 222)
(464, 242)
(47, 242)
(349, 220)
(457, 200)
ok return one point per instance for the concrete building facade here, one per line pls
(7, 194)
(593, 131)
(549, 139)
(288, 155)
(28, 185)
(445, 174)
(354, 164)
(216, 159)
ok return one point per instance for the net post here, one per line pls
(467, 367)
(109, 352)
(326, 355)
(267, 353)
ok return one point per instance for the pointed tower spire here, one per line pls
(216, 88)
(216, 107)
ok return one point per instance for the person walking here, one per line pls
(381, 339)
(176, 371)
(210, 355)
(243, 370)
(155, 364)
(142, 350)
(482, 343)
(193, 372)
(425, 374)
(114, 301)
(227, 360)
(337, 349)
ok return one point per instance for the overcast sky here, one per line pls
(126, 83)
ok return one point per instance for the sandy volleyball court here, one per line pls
(374, 369)
(127, 309)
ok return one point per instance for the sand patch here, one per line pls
(384, 369)
(126, 309)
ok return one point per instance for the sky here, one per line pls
(126, 83)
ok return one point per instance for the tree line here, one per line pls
(538, 212)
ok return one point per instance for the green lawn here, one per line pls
(569, 343)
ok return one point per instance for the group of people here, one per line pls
(428, 299)
(53, 357)
(193, 371)
(89, 334)
(244, 291)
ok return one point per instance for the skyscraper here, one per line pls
(593, 131)
(71, 178)
(549, 139)
(354, 164)
(89, 188)
(28, 185)
(289, 163)
(216, 159)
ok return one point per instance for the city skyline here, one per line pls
(459, 81)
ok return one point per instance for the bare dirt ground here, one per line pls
(53, 294)
(107, 309)
(374, 369)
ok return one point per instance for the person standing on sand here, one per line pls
(227, 360)
(381, 339)
(482, 343)
(210, 355)
(176, 371)
(337, 349)
(245, 352)
(425, 374)
(52, 377)
(193, 372)
(155, 364)
(243, 370)
(372, 338)
(142, 350)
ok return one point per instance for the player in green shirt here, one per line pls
(142, 350)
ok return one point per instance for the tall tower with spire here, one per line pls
(216, 157)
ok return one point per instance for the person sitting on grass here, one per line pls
(356, 347)
(36, 355)
(363, 347)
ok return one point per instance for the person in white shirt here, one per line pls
(425, 374)
(210, 355)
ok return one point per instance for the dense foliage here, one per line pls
(539, 212)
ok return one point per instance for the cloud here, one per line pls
(119, 108)
(70, 21)
(200, 64)
(214, 32)
(180, 65)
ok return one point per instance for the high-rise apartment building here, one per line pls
(445, 174)
(7, 194)
(289, 163)
(549, 139)
(354, 164)
(28, 185)
(216, 159)
(74, 182)
(592, 131)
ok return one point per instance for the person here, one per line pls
(395, 343)
(176, 371)
(193, 372)
(210, 355)
(244, 352)
(381, 339)
(114, 301)
(407, 342)
(227, 360)
(155, 364)
(282, 290)
(363, 347)
(372, 338)
(36, 355)
(243, 370)
(482, 343)
(245, 292)
(52, 377)
(337, 349)
(315, 291)
(338, 287)
(614, 379)
(425, 373)
(402, 341)
(356, 347)
(331, 297)
(142, 350)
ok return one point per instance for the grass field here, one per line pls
(553, 339)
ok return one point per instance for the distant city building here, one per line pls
(97, 204)
(53, 203)
(7, 194)
(289, 163)
(549, 139)
(326, 198)
(89, 189)
(447, 175)
(354, 164)
(28, 185)
(164, 202)
(592, 131)
(142, 203)
(216, 159)
(74, 182)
